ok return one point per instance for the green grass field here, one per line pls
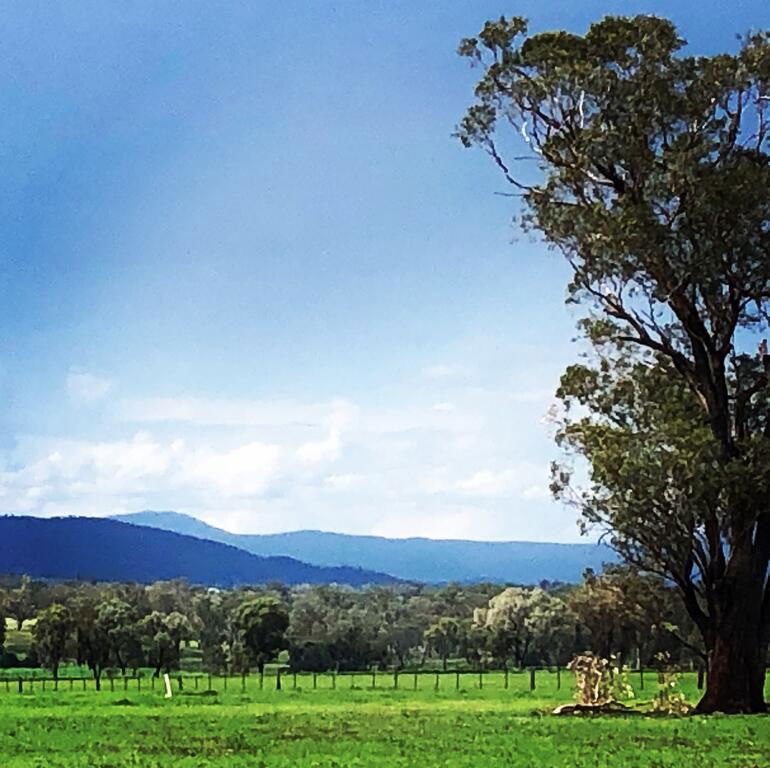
(326, 727)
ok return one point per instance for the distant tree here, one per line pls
(20, 602)
(261, 625)
(162, 636)
(118, 623)
(215, 632)
(651, 172)
(443, 638)
(521, 620)
(52, 632)
(92, 646)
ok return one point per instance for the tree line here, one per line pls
(128, 627)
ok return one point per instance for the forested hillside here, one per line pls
(109, 550)
(430, 560)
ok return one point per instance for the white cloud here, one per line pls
(417, 462)
(220, 412)
(86, 387)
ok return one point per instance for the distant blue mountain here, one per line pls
(428, 560)
(96, 549)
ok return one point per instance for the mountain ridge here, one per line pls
(415, 558)
(104, 549)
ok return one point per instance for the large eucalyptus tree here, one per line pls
(648, 169)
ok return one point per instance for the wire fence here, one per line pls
(286, 679)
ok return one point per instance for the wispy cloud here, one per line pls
(87, 387)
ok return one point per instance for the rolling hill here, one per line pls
(101, 549)
(418, 559)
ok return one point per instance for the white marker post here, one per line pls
(167, 681)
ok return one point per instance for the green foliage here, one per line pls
(52, 632)
(261, 625)
(519, 621)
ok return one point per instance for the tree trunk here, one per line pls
(736, 664)
(736, 678)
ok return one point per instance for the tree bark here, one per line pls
(736, 674)
(737, 653)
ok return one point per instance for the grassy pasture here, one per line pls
(325, 727)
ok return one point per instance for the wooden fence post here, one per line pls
(532, 679)
(435, 687)
(374, 679)
(457, 681)
(415, 681)
(315, 680)
(261, 680)
(505, 679)
(278, 679)
(334, 681)
(243, 681)
(558, 677)
(481, 680)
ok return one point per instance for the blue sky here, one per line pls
(247, 273)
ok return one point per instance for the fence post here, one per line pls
(138, 683)
(457, 681)
(152, 683)
(21, 685)
(261, 680)
(334, 681)
(278, 679)
(374, 679)
(196, 682)
(243, 681)
(641, 677)
(558, 677)
(532, 679)
(395, 680)
(209, 681)
(181, 683)
(435, 687)
(315, 680)
(481, 679)
(505, 679)
(415, 681)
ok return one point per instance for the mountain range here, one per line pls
(98, 549)
(415, 559)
